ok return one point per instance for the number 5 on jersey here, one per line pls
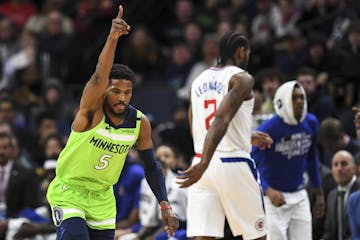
(211, 105)
(103, 162)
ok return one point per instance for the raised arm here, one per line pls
(240, 89)
(91, 101)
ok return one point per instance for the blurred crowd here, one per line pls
(49, 49)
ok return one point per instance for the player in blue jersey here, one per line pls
(282, 166)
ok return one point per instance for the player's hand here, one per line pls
(191, 175)
(170, 220)
(319, 208)
(119, 27)
(27, 230)
(261, 140)
(275, 196)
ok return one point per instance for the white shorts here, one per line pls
(291, 220)
(227, 188)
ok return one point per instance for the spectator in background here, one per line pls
(171, 157)
(7, 40)
(290, 57)
(20, 154)
(289, 15)
(19, 188)
(29, 87)
(257, 114)
(356, 111)
(173, 30)
(281, 167)
(46, 125)
(149, 212)
(350, 64)
(18, 11)
(270, 80)
(314, 18)
(26, 55)
(266, 25)
(176, 132)
(206, 15)
(319, 103)
(210, 52)
(17, 152)
(319, 57)
(142, 54)
(11, 114)
(54, 98)
(37, 22)
(54, 46)
(179, 65)
(53, 145)
(193, 38)
(36, 223)
(127, 191)
(242, 13)
(223, 27)
(344, 172)
(243, 28)
(333, 138)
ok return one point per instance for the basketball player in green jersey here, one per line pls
(104, 129)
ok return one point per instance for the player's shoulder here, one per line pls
(203, 75)
(270, 124)
(243, 77)
(312, 120)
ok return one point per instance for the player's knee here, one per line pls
(73, 229)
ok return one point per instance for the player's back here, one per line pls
(207, 92)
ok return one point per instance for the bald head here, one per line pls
(343, 167)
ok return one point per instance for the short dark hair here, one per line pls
(121, 71)
(330, 129)
(306, 71)
(45, 114)
(270, 73)
(229, 43)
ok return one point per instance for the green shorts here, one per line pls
(97, 208)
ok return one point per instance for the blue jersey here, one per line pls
(127, 189)
(292, 153)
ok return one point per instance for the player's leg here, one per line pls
(241, 198)
(300, 225)
(205, 214)
(67, 211)
(101, 234)
(100, 215)
(277, 219)
(72, 229)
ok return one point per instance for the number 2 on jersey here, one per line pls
(210, 104)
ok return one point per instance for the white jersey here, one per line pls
(207, 92)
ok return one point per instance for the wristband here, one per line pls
(165, 207)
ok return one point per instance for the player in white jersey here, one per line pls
(223, 177)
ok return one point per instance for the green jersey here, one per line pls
(94, 159)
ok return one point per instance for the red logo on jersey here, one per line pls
(260, 224)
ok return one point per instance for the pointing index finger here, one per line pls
(120, 12)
